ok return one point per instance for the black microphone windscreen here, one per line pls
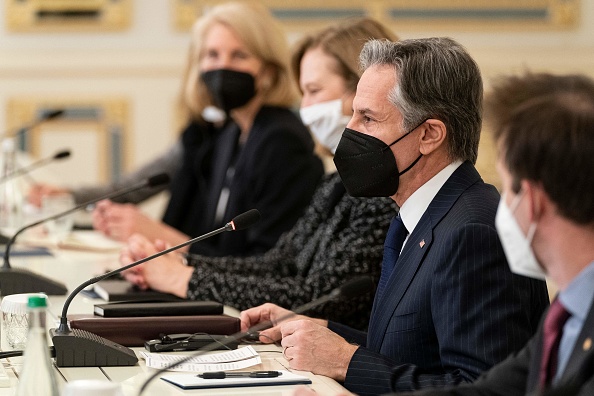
(358, 286)
(52, 114)
(62, 154)
(245, 220)
(157, 180)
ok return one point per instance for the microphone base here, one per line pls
(79, 348)
(19, 280)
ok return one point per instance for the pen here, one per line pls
(239, 374)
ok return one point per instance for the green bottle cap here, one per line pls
(36, 302)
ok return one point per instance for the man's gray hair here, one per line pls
(435, 78)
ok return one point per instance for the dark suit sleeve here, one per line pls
(508, 378)
(351, 335)
(478, 312)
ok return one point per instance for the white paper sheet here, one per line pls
(192, 381)
(230, 360)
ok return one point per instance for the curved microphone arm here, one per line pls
(355, 287)
(25, 228)
(64, 328)
(240, 222)
(42, 162)
(152, 181)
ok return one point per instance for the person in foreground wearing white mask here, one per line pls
(338, 238)
(544, 127)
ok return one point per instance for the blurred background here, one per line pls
(115, 66)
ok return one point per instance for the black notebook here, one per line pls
(163, 308)
(121, 290)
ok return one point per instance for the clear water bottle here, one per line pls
(37, 377)
(11, 193)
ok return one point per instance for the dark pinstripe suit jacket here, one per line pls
(518, 375)
(451, 308)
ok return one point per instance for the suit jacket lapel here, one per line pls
(583, 348)
(415, 249)
(532, 382)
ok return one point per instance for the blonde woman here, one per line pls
(242, 149)
(338, 237)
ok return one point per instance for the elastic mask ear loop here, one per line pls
(402, 137)
(516, 202)
(407, 133)
(531, 232)
(514, 206)
(411, 165)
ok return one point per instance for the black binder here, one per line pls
(121, 290)
(164, 308)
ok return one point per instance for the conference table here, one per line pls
(74, 266)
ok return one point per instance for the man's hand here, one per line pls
(311, 347)
(274, 314)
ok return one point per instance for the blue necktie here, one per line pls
(392, 246)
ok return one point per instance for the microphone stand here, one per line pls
(47, 116)
(64, 328)
(355, 287)
(79, 348)
(42, 162)
(20, 280)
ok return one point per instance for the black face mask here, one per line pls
(367, 166)
(229, 89)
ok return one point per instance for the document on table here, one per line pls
(192, 381)
(239, 358)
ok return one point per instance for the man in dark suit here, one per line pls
(447, 307)
(544, 126)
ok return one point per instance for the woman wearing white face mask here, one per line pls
(327, 69)
(338, 238)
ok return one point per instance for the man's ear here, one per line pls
(536, 199)
(433, 136)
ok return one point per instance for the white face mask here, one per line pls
(213, 114)
(516, 246)
(326, 122)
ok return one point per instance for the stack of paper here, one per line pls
(231, 360)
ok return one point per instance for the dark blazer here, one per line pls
(518, 375)
(451, 308)
(275, 171)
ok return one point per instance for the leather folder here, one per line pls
(132, 332)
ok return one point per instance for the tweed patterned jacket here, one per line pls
(338, 237)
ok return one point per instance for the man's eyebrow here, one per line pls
(366, 110)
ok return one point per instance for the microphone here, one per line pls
(46, 116)
(19, 280)
(60, 155)
(79, 348)
(353, 288)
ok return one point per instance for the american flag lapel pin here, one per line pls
(422, 243)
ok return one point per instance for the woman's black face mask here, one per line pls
(229, 89)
